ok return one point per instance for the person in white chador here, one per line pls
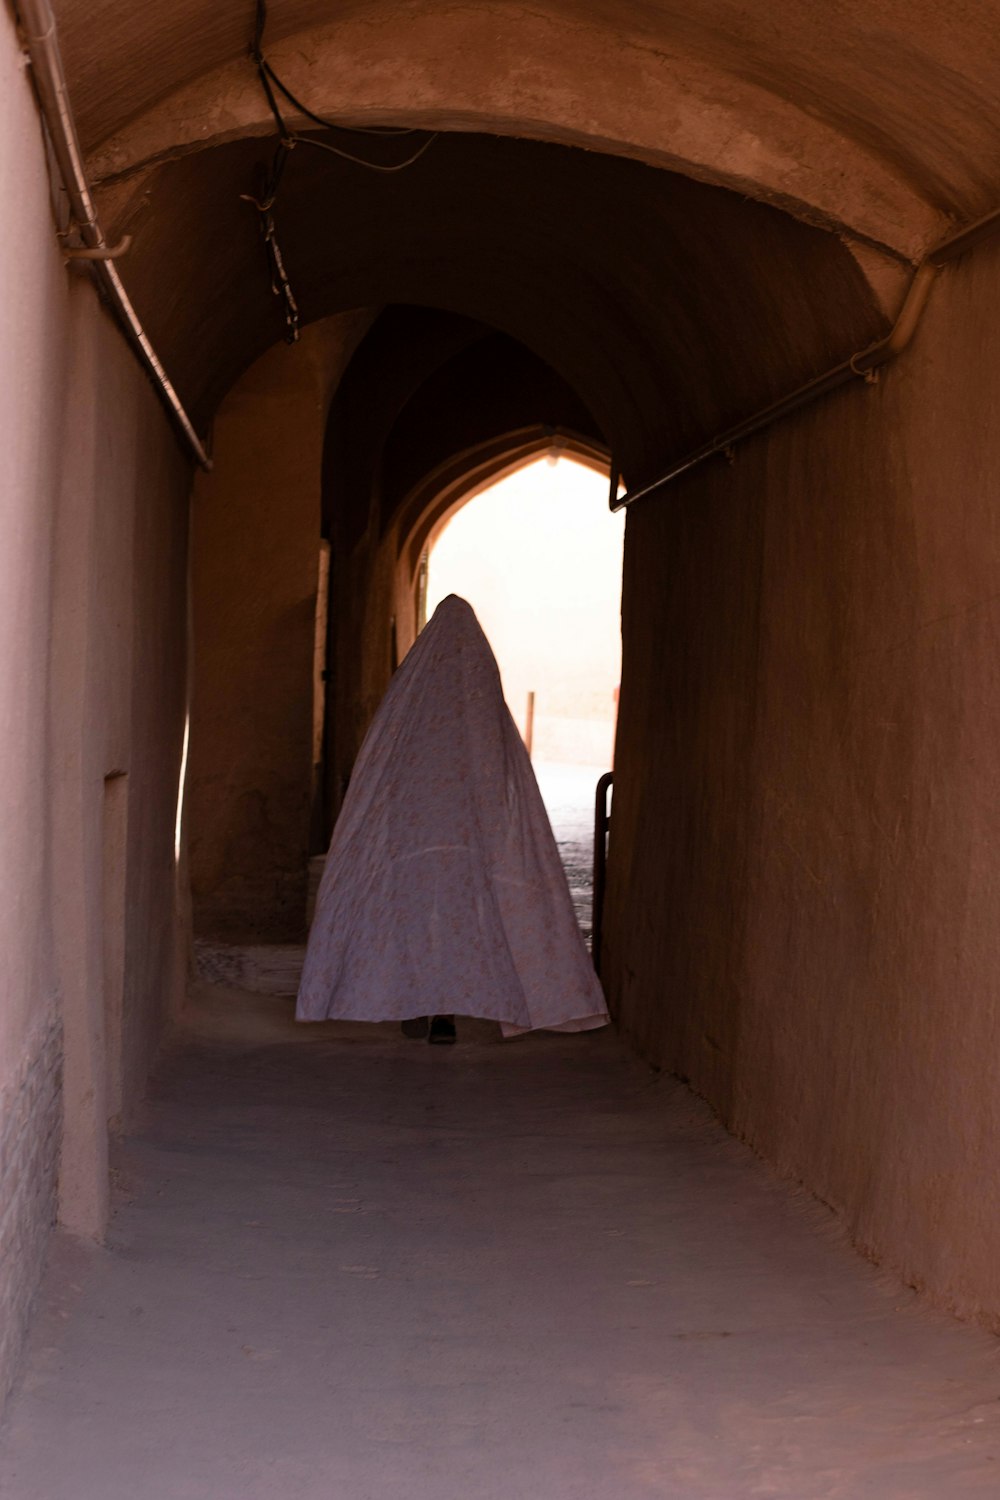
(443, 889)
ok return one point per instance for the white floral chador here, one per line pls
(443, 890)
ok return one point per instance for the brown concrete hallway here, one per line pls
(349, 1266)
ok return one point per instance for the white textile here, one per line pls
(443, 891)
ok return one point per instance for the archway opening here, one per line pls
(538, 555)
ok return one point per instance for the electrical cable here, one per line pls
(399, 166)
(287, 141)
(303, 109)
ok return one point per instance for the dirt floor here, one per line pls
(348, 1266)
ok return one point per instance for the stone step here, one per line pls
(263, 968)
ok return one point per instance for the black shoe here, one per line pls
(416, 1028)
(442, 1029)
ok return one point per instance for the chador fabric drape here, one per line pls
(443, 890)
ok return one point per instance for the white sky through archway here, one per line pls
(538, 555)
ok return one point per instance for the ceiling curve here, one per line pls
(669, 306)
(882, 121)
(427, 399)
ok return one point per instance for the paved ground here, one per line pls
(351, 1267)
(568, 793)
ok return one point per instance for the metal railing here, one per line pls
(602, 820)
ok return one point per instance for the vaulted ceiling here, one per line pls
(681, 207)
(881, 117)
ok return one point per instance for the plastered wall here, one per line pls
(118, 701)
(804, 887)
(256, 522)
(93, 507)
(33, 335)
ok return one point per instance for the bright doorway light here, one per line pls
(181, 784)
(538, 555)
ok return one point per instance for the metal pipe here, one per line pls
(862, 364)
(99, 252)
(39, 29)
(965, 239)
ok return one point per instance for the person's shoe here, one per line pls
(442, 1029)
(416, 1028)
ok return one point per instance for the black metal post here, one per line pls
(601, 821)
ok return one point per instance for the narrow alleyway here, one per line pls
(351, 1267)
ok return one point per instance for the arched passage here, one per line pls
(669, 313)
(456, 482)
(633, 309)
(538, 555)
(428, 407)
(654, 221)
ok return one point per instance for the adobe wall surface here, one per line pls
(255, 559)
(32, 346)
(118, 700)
(802, 912)
(29, 1158)
(33, 332)
(83, 448)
